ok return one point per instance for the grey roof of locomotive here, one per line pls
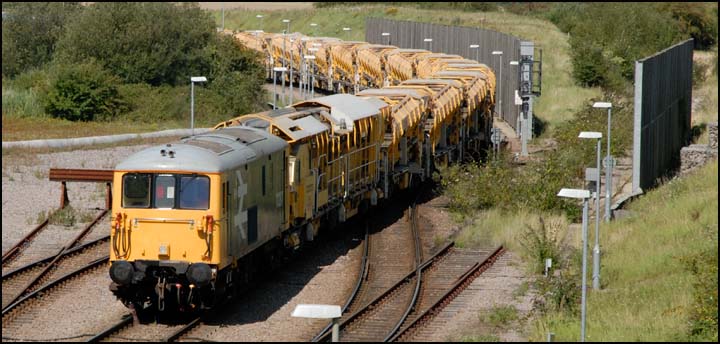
(212, 152)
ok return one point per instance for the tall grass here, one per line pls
(21, 103)
(647, 284)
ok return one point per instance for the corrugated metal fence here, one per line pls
(457, 40)
(663, 96)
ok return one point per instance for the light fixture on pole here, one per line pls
(260, 16)
(275, 70)
(193, 80)
(609, 162)
(497, 52)
(521, 124)
(321, 312)
(304, 87)
(291, 60)
(314, 26)
(477, 51)
(347, 30)
(596, 250)
(308, 62)
(312, 71)
(584, 195)
(428, 40)
(386, 34)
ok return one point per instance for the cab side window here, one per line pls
(136, 190)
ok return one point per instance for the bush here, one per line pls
(83, 92)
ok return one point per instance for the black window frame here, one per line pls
(152, 202)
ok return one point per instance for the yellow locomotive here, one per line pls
(198, 217)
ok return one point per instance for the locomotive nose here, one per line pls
(121, 272)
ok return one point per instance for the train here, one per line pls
(199, 217)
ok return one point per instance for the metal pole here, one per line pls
(596, 249)
(335, 330)
(192, 108)
(584, 269)
(291, 66)
(501, 91)
(608, 172)
(523, 133)
(274, 89)
(313, 84)
(283, 61)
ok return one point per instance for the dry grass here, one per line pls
(706, 95)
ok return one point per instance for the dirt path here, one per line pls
(257, 6)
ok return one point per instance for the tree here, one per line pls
(30, 31)
(155, 43)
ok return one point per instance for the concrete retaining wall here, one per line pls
(82, 141)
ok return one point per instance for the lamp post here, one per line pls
(608, 160)
(308, 61)
(596, 249)
(477, 51)
(347, 31)
(314, 26)
(428, 40)
(304, 88)
(275, 70)
(321, 312)
(287, 21)
(497, 52)
(386, 34)
(584, 195)
(520, 124)
(260, 16)
(193, 80)
(311, 69)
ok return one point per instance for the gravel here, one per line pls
(27, 194)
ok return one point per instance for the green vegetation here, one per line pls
(122, 65)
(153, 42)
(83, 92)
(501, 316)
(603, 54)
(30, 33)
(659, 272)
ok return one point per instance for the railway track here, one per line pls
(25, 306)
(443, 276)
(24, 280)
(15, 251)
(413, 299)
(127, 330)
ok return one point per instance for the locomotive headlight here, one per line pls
(121, 272)
(199, 274)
